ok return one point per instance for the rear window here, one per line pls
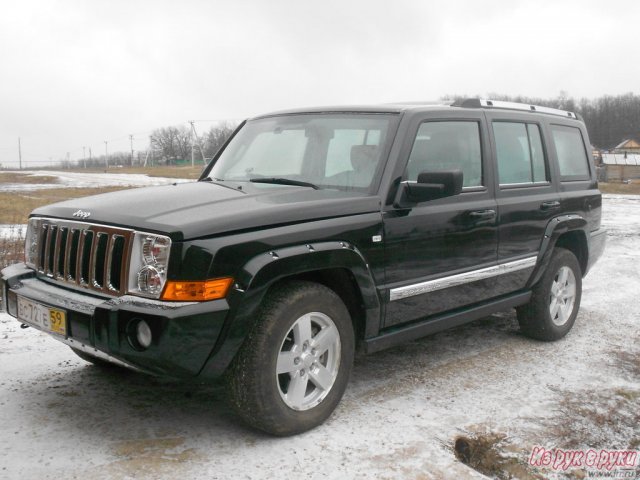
(572, 157)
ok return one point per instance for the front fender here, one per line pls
(264, 270)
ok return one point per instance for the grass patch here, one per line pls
(15, 177)
(16, 206)
(597, 419)
(621, 188)
(492, 454)
(189, 172)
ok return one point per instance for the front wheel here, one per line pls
(555, 301)
(294, 366)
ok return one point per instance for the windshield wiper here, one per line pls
(284, 181)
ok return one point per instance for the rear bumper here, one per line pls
(184, 333)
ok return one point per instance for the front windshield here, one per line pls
(340, 151)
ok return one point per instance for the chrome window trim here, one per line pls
(461, 278)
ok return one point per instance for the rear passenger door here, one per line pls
(526, 194)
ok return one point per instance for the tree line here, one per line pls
(610, 119)
(167, 146)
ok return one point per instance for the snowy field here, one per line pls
(63, 418)
(86, 180)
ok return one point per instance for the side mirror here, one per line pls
(430, 186)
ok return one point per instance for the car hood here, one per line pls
(200, 209)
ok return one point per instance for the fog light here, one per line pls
(143, 334)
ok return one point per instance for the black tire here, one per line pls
(96, 361)
(535, 318)
(259, 394)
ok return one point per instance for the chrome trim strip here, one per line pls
(461, 278)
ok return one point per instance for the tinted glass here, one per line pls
(537, 154)
(447, 146)
(572, 158)
(519, 152)
(341, 151)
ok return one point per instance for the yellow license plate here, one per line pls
(46, 318)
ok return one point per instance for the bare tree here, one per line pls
(215, 138)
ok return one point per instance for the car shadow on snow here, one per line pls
(115, 403)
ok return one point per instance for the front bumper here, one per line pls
(184, 333)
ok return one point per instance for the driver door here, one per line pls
(437, 251)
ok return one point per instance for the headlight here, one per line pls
(31, 242)
(149, 262)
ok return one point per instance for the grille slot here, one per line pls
(84, 255)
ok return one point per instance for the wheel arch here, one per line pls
(339, 266)
(566, 231)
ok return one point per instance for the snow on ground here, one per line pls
(12, 231)
(62, 418)
(87, 180)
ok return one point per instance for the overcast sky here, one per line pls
(76, 73)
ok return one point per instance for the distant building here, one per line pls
(631, 145)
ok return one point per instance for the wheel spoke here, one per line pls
(286, 362)
(555, 288)
(302, 330)
(553, 307)
(563, 274)
(325, 339)
(321, 377)
(297, 390)
(570, 291)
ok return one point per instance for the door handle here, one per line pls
(483, 214)
(550, 205)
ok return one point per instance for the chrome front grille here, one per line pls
(83, 255)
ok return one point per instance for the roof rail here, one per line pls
(482, 103)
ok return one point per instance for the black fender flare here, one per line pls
(556, 227)
(262, 271)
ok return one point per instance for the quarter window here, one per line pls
(447, 146)
(572, 158)
(520, 153)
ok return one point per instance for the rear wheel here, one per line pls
(294, 366)
(555, 301)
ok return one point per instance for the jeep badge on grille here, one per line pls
(82, 214)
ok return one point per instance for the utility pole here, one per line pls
(20, 153)
(131, 140)
(149, 152)
(195, 134)
(106, 155)
(89, 154)
(84, 157)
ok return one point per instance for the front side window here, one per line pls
(333, 151)
(447, 146)
(572, 158)
(519, 152)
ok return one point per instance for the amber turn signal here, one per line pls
(197, 291)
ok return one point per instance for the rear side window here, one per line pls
(572, 157)
(447, 146)
(520, 154)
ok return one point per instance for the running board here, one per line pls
(439, 323)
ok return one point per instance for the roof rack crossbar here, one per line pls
(484, 103)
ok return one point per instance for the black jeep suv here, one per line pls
(313, 232)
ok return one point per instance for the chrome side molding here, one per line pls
(461, 278)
